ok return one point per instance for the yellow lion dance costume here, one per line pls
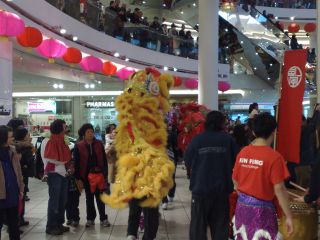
(144, 170)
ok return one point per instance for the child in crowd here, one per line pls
(74, 191)
(258, 176)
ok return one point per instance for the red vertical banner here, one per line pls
(290, 105)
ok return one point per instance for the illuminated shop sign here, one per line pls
(42, 107)
(99, 104)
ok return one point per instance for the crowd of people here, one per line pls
(131, 26)
(245, 164)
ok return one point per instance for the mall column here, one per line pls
(76, 115)
(5, 81)
(317, 52)
(208, 53)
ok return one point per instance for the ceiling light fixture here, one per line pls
(92, 85)
(291, 18)
(175, 69)
(127, 59)
(194, 4)
(61, 86)
(55, 86)
(75, 38)
(116, 54)
(165, 68)
(63, 31)
(86, 85)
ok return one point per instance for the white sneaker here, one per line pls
(170, 199)
(131, 237)
(89, 223)
(165, 206)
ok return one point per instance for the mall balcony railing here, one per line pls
(308, 4)
(144, 36)
(136, 34)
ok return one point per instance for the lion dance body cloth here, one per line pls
(144, 170)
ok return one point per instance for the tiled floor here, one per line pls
(174, 223)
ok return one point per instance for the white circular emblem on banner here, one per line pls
(294, 76)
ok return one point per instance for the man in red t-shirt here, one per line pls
(258, 176)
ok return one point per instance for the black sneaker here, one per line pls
(26, 198)
(64, 229)
(54, 231)
(24, 223)
(68, 223)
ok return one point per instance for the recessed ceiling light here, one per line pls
(127, 60)
(75, 38)
(86, 85)
(182, 12)
(194, 4)
(255, 68)
(55, 85)
(276, 18)
(63, 31)
(92, 85)
(175, 69)
(291, 18)
(144, 2)
(61, 86)
(99, 82)
(116, 54)
(165, 68)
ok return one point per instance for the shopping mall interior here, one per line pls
(71, 60)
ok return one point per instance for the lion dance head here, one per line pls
(144, 170)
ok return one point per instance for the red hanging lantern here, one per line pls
(293, 28)
(177, 81)
(72, 56)
(109, 68)
(30, 38)
(310, 27)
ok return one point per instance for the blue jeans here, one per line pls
(58, 196)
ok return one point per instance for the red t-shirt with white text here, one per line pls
(257, 170)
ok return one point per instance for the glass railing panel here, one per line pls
(159, 38)
(310, 4)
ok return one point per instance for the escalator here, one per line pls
(255, 59)
(261, 31)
